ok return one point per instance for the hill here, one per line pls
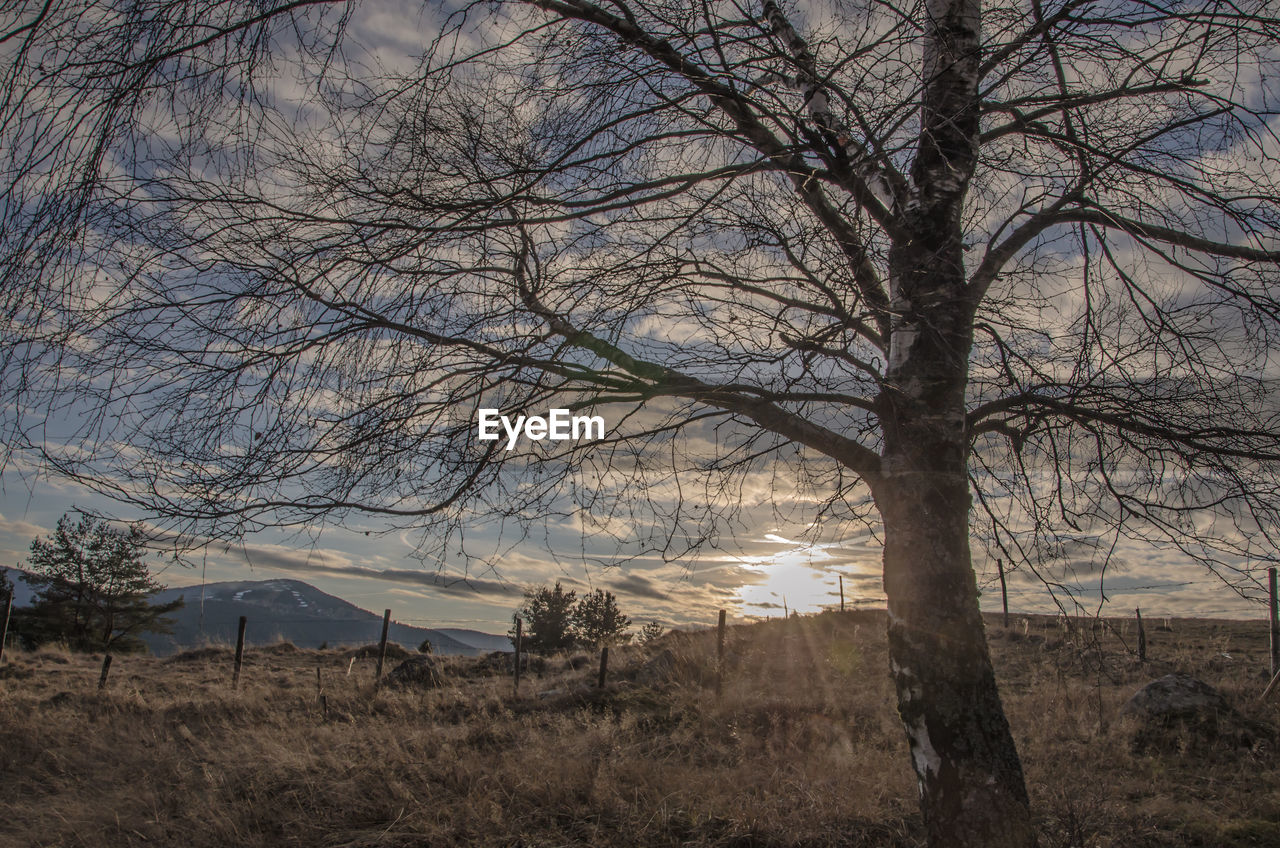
(288, 610)
(285, 610)
(484, 641)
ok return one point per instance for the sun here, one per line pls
(800, 577)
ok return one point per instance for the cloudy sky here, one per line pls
(765, 565)
(764, 571)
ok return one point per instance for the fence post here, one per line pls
(720, 655)
(841, 576)
(1142, 637)
(106, 667)
(320, 696)
(4, 634)
(1270, 686)
(382, 646)
(1274, 621)
(235, 677)
(1004, 592)
(519, 640)
(604, 665)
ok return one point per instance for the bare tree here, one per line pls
(1002, 269)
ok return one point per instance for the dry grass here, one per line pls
(804, 747)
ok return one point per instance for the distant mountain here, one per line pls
(483, 641)
(21, 591)
(284, 609)
(289, 610)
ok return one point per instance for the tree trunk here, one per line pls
(972, 791)
(971, 786)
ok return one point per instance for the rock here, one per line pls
(1177, 712)
(420, 672)
(1175, 696)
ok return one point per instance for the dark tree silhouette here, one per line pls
(548, 615)
(996, 271)
(597, 620)
(651, 632)
(92, 588)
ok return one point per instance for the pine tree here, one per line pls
(650, 632)
(92, 588)
(598, 621)
(548, 619)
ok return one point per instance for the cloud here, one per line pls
(766, 605)
(333, 563)
(464, 587)
(639, 586)
(292, 559)
(21, 528)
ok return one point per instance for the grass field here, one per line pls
(802, 748)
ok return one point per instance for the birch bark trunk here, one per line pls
(972, 790)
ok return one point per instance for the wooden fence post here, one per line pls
(382, 646)
(1142, 637)
(604, 666)
(4, 634)
(841, 576)
(519, 640)
(1004, 592)
(235, 677)
(1274, 618)
(106, 667)
(1270, 686)
(720, 655)
(320, 696)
